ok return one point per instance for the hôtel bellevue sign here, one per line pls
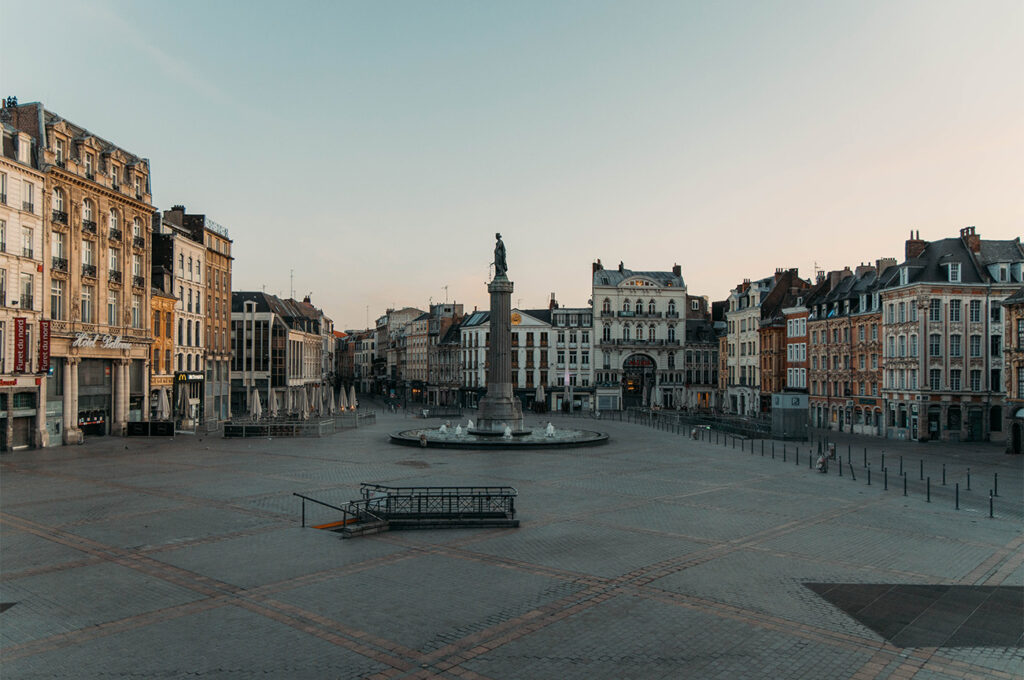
(97, 340)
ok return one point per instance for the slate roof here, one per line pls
(1015, 299)
(613, 277)
(931, 264)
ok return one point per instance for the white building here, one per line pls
(639, 324)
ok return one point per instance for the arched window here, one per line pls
(625, 332)
(671, 359)
(672, 333)
(639, 332)
(114, 218)
(198, 334)
(651, 333)
(606, 306)
(651, 308)
(188, 336)
(625, 305)
(671, 306)
(607, 334)
(87, 213)
(639, 306)
(181, 338)
(137, 228)
(58, 200)
(181, 365)
(188, 362)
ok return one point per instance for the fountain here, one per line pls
(499, 421)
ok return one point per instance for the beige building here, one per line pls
(96, 207)
(23, 382)
(1013, 358)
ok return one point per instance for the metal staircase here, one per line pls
(420, 507)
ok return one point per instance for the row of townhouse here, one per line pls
(911, 350)
(282, 355)
(87, 314)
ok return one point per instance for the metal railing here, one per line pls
(28, 207)
(114, 276)
(59, 216)
(60, 264)
(89, 270)
(138, 242)
(115, 233)
(139, 281)
(89, 226)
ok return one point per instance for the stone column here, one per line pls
(499, 408)
(41, 436)
(145, 389)
(117, 425)
(9, 421)
(126, 384)
(72, 434)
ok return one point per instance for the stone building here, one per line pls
(96, 206)
(947, 297)
(162, 360)
(440, 382)
(389, 346)
(23, 380)
(1013, 360)
(640, 321)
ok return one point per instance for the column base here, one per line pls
(72, 436)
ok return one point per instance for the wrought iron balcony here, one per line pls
(27, 252)
(139, 281)
(59, 216)
(61, 163)
(114, 184)
(89, 226)
(138, 242)
(671, 315)
(89, 270)
(115, 234)
(60, 264)
(114, 276)
(25, 302)
(28, 207)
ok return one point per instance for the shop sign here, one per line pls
(44, 346)
(184, 377)
(19, 344)
(97, 340)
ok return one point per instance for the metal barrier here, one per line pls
(289, 427)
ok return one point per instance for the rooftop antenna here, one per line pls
(446, 294)
(291, 284)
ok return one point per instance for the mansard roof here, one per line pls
(615, 277)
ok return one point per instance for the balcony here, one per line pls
(60, 264)
(89, 270)
(671, 315)
(61, 163)
(114, 276)
(138, 281)
(89, 226)
(138, 242)
(115, 234)
(25, 302)
(59, 216)
(90, 175)
(114, 184)
(27, 252)
(28, 207)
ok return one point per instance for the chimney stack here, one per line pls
(677, 270)
(597, 266)
(971, 239)
(884, 263)
(915, 246)
(553, 304)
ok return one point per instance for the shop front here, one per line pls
(23, 421)
(189, 396)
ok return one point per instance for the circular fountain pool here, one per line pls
(433, 437)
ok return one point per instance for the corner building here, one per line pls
(97, 204)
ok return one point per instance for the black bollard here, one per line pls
(957, 495)
(995, 483)
(885, 479)
(853, 475)
(901, 466)
(990, 504)
(783, 453)
(922, 469)
(865, 456)
(773, 453)
(943, 474)
(882, 464)
(928, 491)
(968, 479)
(869, 475)
(773, 449)
(840, 466)
(904, 485)
(849, 461)
(796, 456)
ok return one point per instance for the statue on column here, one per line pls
(500, 266)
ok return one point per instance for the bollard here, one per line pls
(810, 459)
(885, 479)
(865, 456)
(796, 456)
(968, 479)
(853, 475)
(840, 466)
(928, 491)
(904, 485)
(995, 483)
(901, 466)
(882, 464)
(773, 453)
(990, 503)
(957, 495)
(943, 474)
(869, 474)
(773, 449)
(783, 453)
(922, 469)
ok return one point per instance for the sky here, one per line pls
(369, 151)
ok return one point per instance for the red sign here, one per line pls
(19, 344)
(44, 346)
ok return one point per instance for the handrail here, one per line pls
(367, 488)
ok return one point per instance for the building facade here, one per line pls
(639, 324)
(1013, 359)
(97, 204)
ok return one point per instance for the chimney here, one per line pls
(554, 303)
(677, 270)
(915, 246)
(597, 266)
(884, 263)
(863, 268)
(971, 239)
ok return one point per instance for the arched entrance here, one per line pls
(637, 379)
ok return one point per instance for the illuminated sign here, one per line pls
(97, 340)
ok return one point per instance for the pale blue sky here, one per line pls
(376, 147)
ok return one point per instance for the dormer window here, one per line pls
(89, 164)
(113, 175)
(954, 272)
(1003, 273)
(904, 276)
(138, 185)
(59, 150)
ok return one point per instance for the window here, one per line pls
(115, 260)
(913, 345)
(57, 299)
(651, 333)
(625, 305)
(27, 238)
(58, 200)
(954, 272)
(651, 308)
(112, 309)
(935, 379)
(167, 329)
(138, 184)
(136, 264)
(181, 332)
(975, 345)
(3, 187)
(954, 310)
(29, 198)
(88, 252)
(156, 326)
(87, 213)
(901, 312)
(935, 345)
(625, 332)
(115, 219)
(975, 381)
(89, 164)
(671, 333)
(606, 306)
(27, 288)
(136, 311)
(671, 307)
(137, 225)
(3, 236)
(181, 264)
(955, 349)
(606, 334)
(975, 311)
(954, 379)
(87, 297)
(935, 310)
(639, 307)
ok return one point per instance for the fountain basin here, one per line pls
(528, 439)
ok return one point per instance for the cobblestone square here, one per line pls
(653, 556)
